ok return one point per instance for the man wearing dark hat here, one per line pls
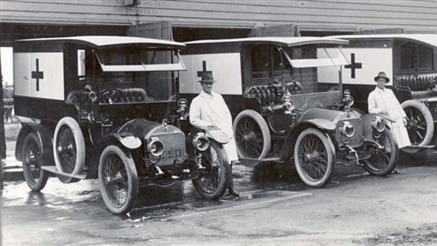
(383, 101)
(208, 111)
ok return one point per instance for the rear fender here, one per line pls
(45, 137)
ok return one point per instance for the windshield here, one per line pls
(138, 59)
(320, 57)
(130, 74)
(306, 66)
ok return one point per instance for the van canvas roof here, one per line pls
(102, 41)
(429, 39)
(283, 41)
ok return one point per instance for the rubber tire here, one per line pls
(132, 179)
(265, 131)
(225, 175)
(392, 159)
(35, 184)
(79, 143)
(428, 120)
(330, 150)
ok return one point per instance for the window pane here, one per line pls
(425, 58)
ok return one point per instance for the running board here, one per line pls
(55, 170)
(254, 161)
(421, 147)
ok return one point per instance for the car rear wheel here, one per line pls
(314, 157)
(69, 148)
(382, 161)
(118, 179)
(252, 135)
(420, 124)
(213, 180)
(35, 177)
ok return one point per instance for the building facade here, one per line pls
(184, 20)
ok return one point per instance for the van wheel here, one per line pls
(69, 148)
(420, 125)
(35, 177)
(252, 135)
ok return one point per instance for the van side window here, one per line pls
(416, 57)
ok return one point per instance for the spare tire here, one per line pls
(69, 147)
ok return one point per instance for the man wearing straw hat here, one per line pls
(383, 101)
(208, 111)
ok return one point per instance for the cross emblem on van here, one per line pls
(353, 65)
(37, 74)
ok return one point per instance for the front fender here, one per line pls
(111, 139)
(321, 124)
(367, 120)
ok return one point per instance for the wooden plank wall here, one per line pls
(347, 15)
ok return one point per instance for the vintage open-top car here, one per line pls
(107, 107)
(284, 111)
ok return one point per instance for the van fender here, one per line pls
(45, 137)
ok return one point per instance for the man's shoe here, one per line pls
(232, 192)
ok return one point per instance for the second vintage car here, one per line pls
(410, 62)
(283, 111)
(107, 107)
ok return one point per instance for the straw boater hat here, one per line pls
(382, 75)
(207, 78)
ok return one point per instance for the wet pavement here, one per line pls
(260, 185)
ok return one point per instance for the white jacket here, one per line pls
(385, 102)
(211, 110)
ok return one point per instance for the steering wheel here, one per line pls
(111, 95)
(294, 86)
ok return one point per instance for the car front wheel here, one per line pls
(382, 161)
(314, 157)
(118, 179)
(213, 179)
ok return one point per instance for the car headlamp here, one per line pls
(155, 147)
(347, 129)
(347, 98)
(183, 109)
(92, 96)
(287, 103)
(201, 142)
(378, 124)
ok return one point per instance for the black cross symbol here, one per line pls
(199, 73)
(37, 74)
(353, 65)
